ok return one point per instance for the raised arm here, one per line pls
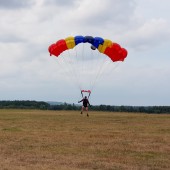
(80, 101)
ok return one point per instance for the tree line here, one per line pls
(23, 104)
(27, 104)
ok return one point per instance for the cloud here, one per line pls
(99, 17)
(15, 4)
(59, 2)
(10, 38)
(111, 12)
(151, 33)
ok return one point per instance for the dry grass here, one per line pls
(65, 140)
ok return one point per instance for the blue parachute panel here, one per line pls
(97, 41)
(78, 39)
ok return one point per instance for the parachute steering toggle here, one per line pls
(86, 91)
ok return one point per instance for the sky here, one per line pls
(28, 28)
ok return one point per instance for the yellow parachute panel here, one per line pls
(106, 43)
(70, 42)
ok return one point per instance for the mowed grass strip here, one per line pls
(67, 140)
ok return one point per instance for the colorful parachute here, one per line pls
(105, 46)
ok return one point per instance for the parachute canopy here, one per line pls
(113, 50)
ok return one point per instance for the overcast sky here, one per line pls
(28, 27)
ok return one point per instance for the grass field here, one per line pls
(66, 140)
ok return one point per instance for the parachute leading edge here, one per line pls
(113, 50)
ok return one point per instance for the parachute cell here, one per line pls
(60, 46)
(78, 39)
(88, 39)
(98, 41)
(106, 43)
(70, 42)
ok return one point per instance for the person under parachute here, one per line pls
(104, 46)
(85, 105)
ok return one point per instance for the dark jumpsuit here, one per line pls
(85, 102)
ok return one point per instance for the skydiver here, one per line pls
(85, 105)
